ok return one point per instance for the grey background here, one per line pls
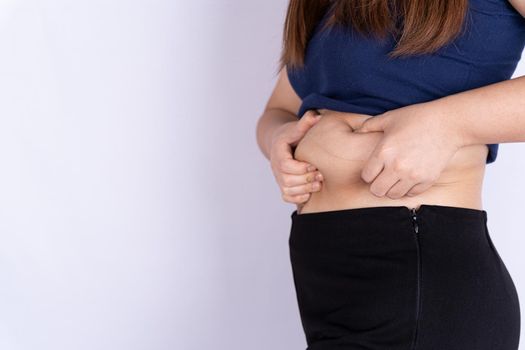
(136, 211)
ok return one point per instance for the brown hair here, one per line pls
(427, 25)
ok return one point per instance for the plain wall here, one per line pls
(136, 210)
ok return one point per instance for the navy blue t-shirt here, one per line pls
(350, 72)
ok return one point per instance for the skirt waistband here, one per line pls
(393, 212)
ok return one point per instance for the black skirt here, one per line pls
(392, 277)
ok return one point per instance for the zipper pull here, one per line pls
(414, 220)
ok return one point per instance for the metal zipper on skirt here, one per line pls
(418, 291)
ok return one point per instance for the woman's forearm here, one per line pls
(270, 120)
(493, 113)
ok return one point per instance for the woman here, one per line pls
(389, 243)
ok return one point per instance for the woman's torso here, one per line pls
(340, 155)
(352, 73)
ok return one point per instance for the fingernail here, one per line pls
(319, 177)
(316, 185)
(311, 168)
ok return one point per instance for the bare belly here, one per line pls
(340, 155)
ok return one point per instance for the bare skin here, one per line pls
(485, 115)
(339, 154)
(519, 5)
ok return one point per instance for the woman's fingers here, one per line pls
(297, 179)
(302, 189)
(292, 166)
(292, 180)
(297, 188)
(308, 120)
(282, 158)
(296, 199)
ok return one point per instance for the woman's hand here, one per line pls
(417, 144)
(296, 179)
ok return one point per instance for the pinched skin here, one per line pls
(340, 155)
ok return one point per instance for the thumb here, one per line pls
(307, 121)
(373, 123)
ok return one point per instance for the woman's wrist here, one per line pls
(452, 122)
